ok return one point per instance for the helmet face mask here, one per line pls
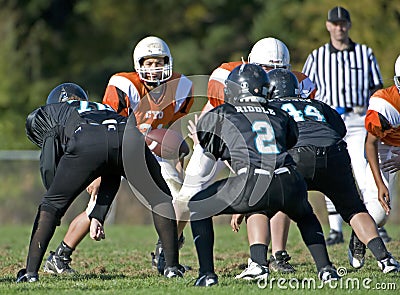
(65, 92)
(270, 53)
(397, 73)
(283, 83)
(152, 48)
(247, 83)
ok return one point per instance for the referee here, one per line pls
(345, 74)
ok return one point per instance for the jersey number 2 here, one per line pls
(265, 139)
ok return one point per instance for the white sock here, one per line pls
(335, 222)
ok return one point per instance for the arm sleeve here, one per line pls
(335, 120)
(376, 124)
(208, 133)
(308, 69)
(49, 158)
(117, 99)
(375, 74)
(215, 92)
(292, 133)
(36, 125)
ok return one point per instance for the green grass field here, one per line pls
(121, 265)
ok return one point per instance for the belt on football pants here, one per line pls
(320, 151)
(111, 124)
(263, 171)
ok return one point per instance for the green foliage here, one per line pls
(120, 264)
(48, 42)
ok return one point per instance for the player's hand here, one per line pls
(93, 188)
(384, 198)
(96, 230)
(392, 165)
(193, 130)
(236, 220)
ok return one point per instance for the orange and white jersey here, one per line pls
(383, 115)
(216, 83)
(306, 86)
(127, 94)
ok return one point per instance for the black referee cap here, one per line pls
(338, 13)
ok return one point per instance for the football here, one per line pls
(167, 143)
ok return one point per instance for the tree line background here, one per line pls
(46, 42)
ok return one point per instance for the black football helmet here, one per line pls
(247, 83)
(65, 92)
(283, 83)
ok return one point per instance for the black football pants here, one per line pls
(328, 170)
(286, 192)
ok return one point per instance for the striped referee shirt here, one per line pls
(343, 78)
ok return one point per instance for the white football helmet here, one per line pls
(152, 47)
(270, 52)
(397, 73)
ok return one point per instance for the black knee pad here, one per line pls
(48, 208)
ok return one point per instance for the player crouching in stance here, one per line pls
(322, 158)
(80, 141)
(254, 138)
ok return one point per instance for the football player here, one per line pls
(322, 158)
(383, 147)
(157, 97)
(80, 141)
(269, 53)
(254, 138)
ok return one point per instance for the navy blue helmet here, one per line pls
(65, 92)
(247, 82)
(283, 83)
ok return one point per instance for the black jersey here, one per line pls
(318, 123)
(249, 134)
(51, 126)
(60, 120)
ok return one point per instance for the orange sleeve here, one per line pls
(215, 87)
(373, 124)
(113, 99)
(215, 92)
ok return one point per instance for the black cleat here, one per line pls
(56, 264)
(280, 262)
(384, 235)
(24, 277)
(174, 271)
(356, 251)
(206, 280)
(389, 264)
(328, 274)
(335, 237)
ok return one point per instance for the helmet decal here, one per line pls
(63, 95)
(65, 92)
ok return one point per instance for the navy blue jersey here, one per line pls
(318, 123)
(249, 134)
(62, 119)
(51, 126)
